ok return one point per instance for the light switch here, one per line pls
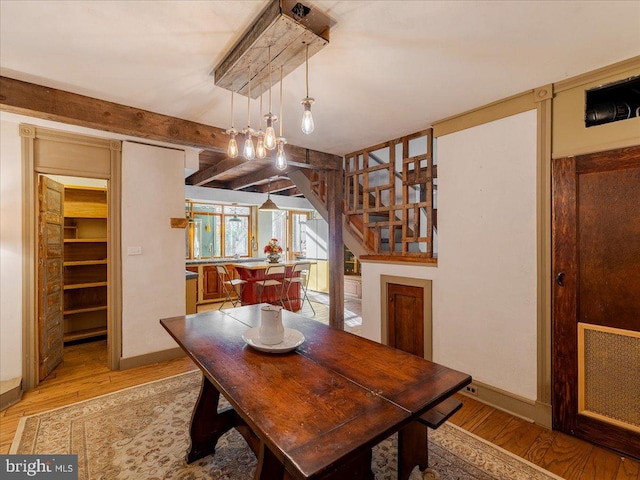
(134, 250)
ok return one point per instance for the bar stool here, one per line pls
(229, 286)
(302, 279)
(271, 271)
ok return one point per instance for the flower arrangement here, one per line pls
(273, 250)
(273, 247)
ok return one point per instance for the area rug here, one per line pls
(141, 433)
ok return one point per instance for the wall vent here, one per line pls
(613, 102)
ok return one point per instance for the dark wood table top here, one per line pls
(336, 395)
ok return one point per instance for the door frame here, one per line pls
(31, 168)
(427, 310)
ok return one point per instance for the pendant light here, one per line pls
(249, 152)
(270, 133)
(281, 156)
(235, 217)
(268, 205)
(261, 151)
(232, 148)
(307, 119)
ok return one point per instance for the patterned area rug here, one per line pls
(142, 433)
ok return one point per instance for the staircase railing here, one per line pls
(389, 196)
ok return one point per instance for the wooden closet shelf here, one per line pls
(85, 310)
(85, 240)
(85, 285)
(82, 334)
(77, 263)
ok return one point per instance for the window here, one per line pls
(217, 230)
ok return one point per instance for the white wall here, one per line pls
(153, 283)
(484, 287)
(10, 252)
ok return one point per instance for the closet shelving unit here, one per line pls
(86, 262)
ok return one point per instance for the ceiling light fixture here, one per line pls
(235, 217)
(232, 148)
(307, 119)
(270, 133)
(249, 151)
(283, 36)
(281, 156)
(268, 205)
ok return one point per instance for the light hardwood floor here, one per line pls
(84, 375)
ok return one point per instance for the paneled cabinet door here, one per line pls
(210, 283)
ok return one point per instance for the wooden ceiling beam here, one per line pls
(38, 101)
(210, 173)
(277, 186)
(254, 177)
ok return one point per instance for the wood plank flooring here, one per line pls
(84, 374)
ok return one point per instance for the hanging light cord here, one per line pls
(270, 79)
(281, 101)
(260, 106)
(231, 106)
(249, 101)
(307, 68)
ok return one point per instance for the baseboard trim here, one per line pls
(529, 410)
(151, 358)
(10, 392)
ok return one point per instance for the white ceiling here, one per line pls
(390, 69)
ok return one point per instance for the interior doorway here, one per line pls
(596, 305)
(406, 320)
(57, 153)
(73, 266)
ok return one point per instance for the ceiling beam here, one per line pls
(276, 186)
(254, 177)
(51, 104)
(211, 172)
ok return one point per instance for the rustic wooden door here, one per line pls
(596, 298)
(405, 315)
(50, 275)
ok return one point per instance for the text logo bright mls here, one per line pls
(51, 467)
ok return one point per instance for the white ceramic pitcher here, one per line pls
(271, 329)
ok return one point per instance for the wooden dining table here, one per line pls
(313, 412)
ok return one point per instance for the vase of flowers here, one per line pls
(273, 250)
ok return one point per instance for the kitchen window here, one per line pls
(216, 230)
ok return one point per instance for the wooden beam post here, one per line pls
(336, 249)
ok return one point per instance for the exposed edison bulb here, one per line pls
(281, 156)
(270, 133)
(249, 152)
(232, 148)
(307, 119)
(261, 152)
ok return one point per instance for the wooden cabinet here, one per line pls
(351, 263)
(211, 288)
(208, 285)
(85, 262)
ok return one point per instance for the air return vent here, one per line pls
(613, 102)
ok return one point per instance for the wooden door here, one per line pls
(50, 278)
(596, 298)
(405, 314)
